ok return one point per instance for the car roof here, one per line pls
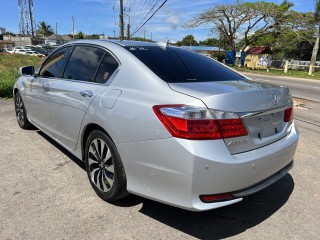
(123, 43)
(130, 43)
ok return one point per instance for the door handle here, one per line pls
(46, 87)
(86, 93)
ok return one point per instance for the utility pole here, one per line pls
(56, 28)
(128, 31)
(144, 33)
(121, 21)
(72, 27)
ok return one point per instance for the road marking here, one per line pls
(317, 87)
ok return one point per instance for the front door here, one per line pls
(38, 89)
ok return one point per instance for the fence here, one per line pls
(294, 65)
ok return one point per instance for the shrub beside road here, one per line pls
(9, 70)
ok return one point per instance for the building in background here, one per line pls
(258, 57)
(56, 39)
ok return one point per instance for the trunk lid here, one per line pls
(260, 106)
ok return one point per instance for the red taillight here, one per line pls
(216, 198)
(199, 123)
(288, 115)
(232, 128)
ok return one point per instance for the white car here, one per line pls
(20, 51)
(34, 53)
(8, 50)
(159, 121)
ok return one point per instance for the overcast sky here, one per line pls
(102, 16)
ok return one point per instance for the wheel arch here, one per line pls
(15, 90)
(86, 132)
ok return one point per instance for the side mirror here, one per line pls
(26, 70)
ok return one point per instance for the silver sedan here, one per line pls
(161, 122)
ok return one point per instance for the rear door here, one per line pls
(84, 77)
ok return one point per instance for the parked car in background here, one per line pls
(18, 48)
(159, 121)
(34, 53)
(6, 50)
(20, 51)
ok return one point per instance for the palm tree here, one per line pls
(44, 29)
(316, 44)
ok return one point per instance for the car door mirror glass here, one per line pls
(27, 70)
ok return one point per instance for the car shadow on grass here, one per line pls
(214, 224)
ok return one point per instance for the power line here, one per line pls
(149, 11)
(149, 18)
(139, 12)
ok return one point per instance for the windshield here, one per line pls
(173, 64)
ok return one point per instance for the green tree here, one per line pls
(286, 45)
(210, 42)
(93, 36)
(295, 42)
(140, 39)
(79, 35)
(10, 33)
(246, 20)
(188, 41)
(44, 29)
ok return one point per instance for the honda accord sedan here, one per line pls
(161, 122)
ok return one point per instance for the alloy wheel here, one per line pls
(101, 166)
(19, 110)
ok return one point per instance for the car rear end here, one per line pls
(236, 151)
(239, 140)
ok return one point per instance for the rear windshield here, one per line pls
(174, 65)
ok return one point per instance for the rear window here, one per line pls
(177, 65)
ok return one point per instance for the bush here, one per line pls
(218, 56)
(9, 70)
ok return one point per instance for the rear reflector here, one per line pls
(216, 198)
(199, 123)
(288, 115)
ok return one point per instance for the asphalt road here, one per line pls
(300, 88)
(45, 194)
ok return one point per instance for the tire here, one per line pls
(104, 167)
(21, 112)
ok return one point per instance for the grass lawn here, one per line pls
(274, 72)
(9, 67)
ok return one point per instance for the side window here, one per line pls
(54, 66)
(106, 69)
(83, 63)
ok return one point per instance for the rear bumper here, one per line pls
(178, 171)
(264, 184)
